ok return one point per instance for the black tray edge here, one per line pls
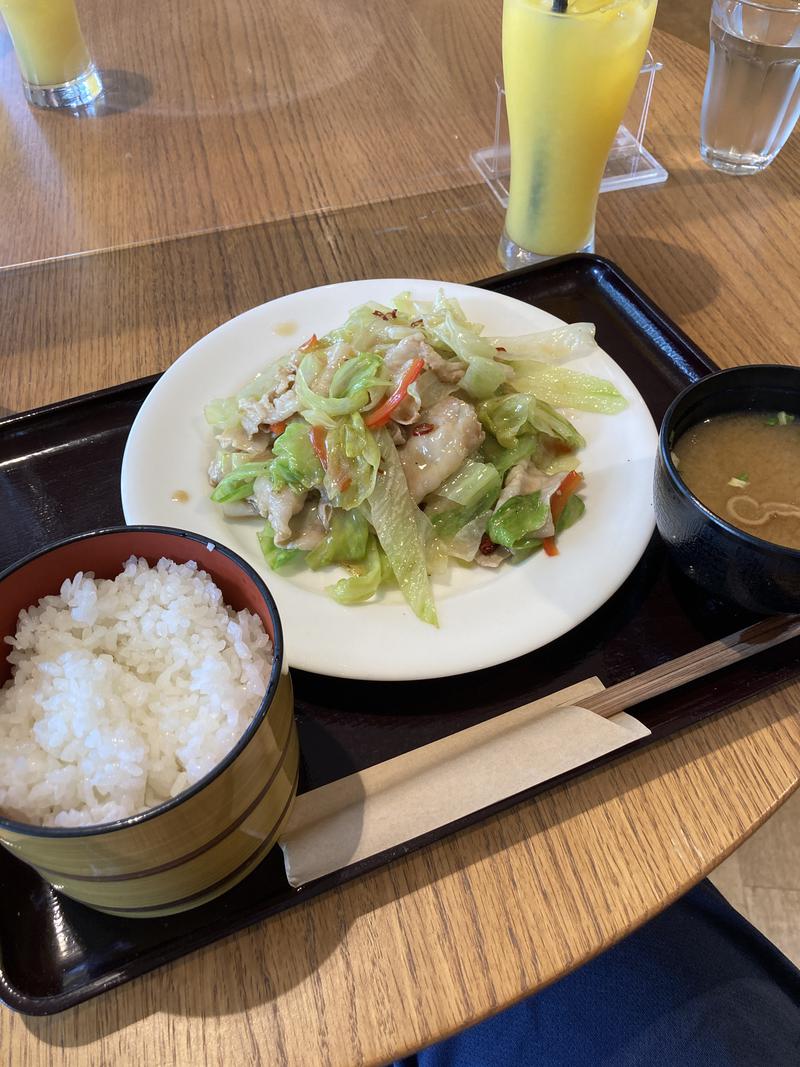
(59, 407)
(609, 269)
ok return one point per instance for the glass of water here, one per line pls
(752, 95)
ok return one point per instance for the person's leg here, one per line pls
(697, 986)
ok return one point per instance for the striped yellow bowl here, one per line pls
(196, 846)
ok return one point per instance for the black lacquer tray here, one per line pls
(59, 475)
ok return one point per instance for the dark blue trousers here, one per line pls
(697, 986)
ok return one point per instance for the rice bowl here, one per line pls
(191, 847)
(125, 692)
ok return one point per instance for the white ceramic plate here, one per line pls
(486, 616)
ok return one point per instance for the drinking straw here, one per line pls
(560, 6)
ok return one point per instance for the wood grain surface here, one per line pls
(457, 931)
(228, 112)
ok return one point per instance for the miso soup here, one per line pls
(746, 469)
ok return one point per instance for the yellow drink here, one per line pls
(47, 39)
(568, 78)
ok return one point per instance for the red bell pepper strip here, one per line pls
(557, 503)
(560, 497)
(310, 344)
(381, 415)
(319, 445)
(277, 428)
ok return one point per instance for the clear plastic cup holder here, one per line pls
(629, 162)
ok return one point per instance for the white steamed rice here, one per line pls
(124, 693)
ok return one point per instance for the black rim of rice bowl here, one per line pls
(93, 829)
(665, 447)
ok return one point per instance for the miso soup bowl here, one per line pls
(729, 563)
(196, 846)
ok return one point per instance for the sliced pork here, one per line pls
(279, 506)
(431, 458)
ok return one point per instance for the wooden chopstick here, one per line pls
(697, 664)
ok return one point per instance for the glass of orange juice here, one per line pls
(569, 68)
(56, 67)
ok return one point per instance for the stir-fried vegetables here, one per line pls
(392, 514)
(558, 504)
(404, 438)
(380, 416)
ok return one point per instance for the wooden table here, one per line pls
(459, 930)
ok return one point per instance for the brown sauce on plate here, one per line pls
(285, 329)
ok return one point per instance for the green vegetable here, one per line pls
(277, 558)
(364, 328)
(345, 541)
(296, 464)
(365, 582)
(387, 574)
(222, 414)
(322, 410)
(435, 551)
(392, 513)
(570, 513)
(563, 342)
(506, 417)
(514, 415)
(471, 482)
(782, 418)
(450, 521)
(353, 461)
(472, 490)
(364, 371)
(408, 309)
(547, 420)
(448, 327)
(568, 388)
(465, 543)
(553, 461)
(230, 461)
(503, 459)
(263, 382)
(482, 377)
(238, 484)
(516, 521)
